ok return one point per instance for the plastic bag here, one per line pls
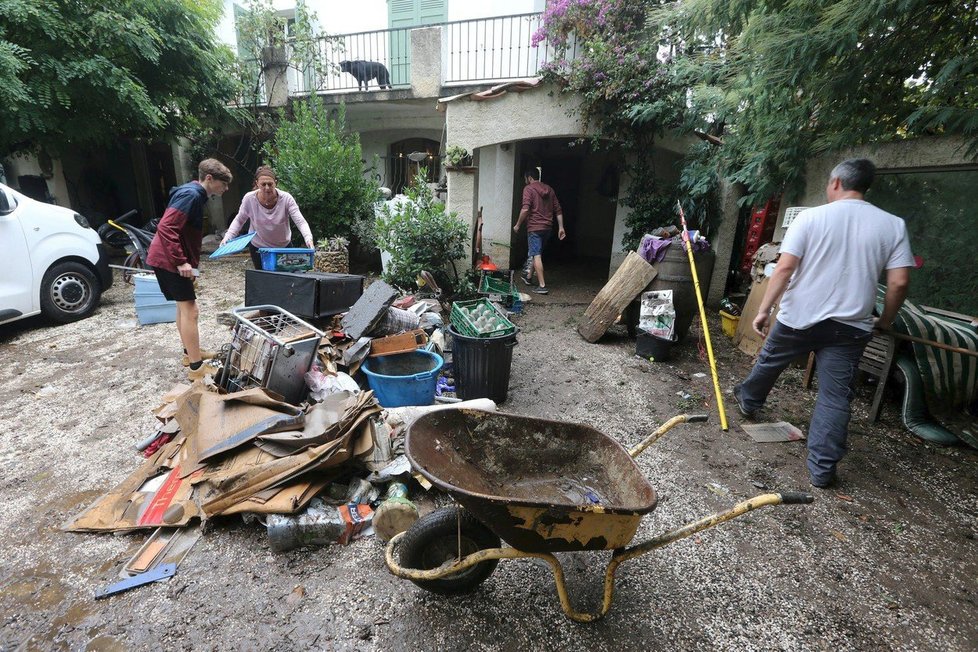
(658, 315)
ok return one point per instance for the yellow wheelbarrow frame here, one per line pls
(617, 528)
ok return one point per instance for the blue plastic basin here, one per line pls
(405, 378)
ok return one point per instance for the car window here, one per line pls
(7, 202)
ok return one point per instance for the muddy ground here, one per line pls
(886, 561)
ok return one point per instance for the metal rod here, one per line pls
(925, 342)
(706, 328)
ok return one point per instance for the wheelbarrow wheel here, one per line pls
(434, 539)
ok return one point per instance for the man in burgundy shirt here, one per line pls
(540, 205)
(174, 253)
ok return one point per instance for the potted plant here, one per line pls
(420, 236)
(332, 255)
(457, 158)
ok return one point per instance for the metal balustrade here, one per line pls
(473, 51)
(495, 49)
(385, 51)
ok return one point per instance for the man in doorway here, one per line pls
(175, 253)
(831, 259)
(540, 205)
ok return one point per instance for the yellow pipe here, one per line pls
(706, 330)
(651, 439)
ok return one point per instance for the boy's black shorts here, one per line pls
(174, 286)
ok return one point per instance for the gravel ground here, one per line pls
(887, 561)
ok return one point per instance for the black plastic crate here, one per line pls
(307, 294)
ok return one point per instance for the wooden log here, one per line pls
(626, 283)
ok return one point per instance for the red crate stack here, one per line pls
(760, 230)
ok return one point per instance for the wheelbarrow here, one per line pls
(541, 486)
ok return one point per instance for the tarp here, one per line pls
(949, 379)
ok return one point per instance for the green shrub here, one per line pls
(323, 168)
(420, 235)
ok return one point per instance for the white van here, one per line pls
(51, 261)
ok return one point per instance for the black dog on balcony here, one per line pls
(364, 71)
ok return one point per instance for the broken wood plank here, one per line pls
(631, 278)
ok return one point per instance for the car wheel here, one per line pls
(69, 292)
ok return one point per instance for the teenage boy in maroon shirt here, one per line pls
(540, 205)
(174, 253)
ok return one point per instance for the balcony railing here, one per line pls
(473, 51)
(495, 49)
(379, 58)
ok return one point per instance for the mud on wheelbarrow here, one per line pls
(541, 486)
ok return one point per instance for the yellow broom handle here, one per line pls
(706, 329)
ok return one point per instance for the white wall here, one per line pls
(468, 9)
(344, 17)
(497, 173)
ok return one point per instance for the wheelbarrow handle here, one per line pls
(796, 498)
(664, 428)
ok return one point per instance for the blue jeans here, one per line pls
(837, 348)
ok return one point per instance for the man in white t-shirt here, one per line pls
(831, 261)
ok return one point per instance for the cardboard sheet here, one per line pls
(143, 501)
(772, 432)
(253, 470)
(216, 423)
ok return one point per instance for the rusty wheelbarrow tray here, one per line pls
(541, 486)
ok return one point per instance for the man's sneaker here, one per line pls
(540, 290)
(744, 412)
(204, 355)
(528, 279)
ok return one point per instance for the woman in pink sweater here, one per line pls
(269, 210)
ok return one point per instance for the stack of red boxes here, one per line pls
(760, 230)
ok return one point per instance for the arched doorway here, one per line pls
(401, 168)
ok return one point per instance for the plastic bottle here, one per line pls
(396, 514)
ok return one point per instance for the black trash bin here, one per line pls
(653, 347)
(482, 365)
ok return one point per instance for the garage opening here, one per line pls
(586, 181)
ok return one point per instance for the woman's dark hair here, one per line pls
(265, 171)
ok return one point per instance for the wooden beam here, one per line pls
(626, 284)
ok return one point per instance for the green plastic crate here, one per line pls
(465, 325)
(497, 286)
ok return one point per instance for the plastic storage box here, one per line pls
(286, 259)
(151, 306)
(308, 294)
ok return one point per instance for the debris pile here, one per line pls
(284, 432)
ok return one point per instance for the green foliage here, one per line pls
(261, 29)
(631, 97)
(456, 156)
(772, 84)
(420, 236)
(785, 81)
(322, 166)
(76, 74)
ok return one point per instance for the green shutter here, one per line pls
(402, 14)
(432, 11)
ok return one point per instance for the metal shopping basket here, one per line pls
(270, 348)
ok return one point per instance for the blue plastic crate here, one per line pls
(286, 259)
(159, 313)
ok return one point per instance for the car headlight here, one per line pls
(82, 222)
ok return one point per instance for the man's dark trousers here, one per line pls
(837, 348)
